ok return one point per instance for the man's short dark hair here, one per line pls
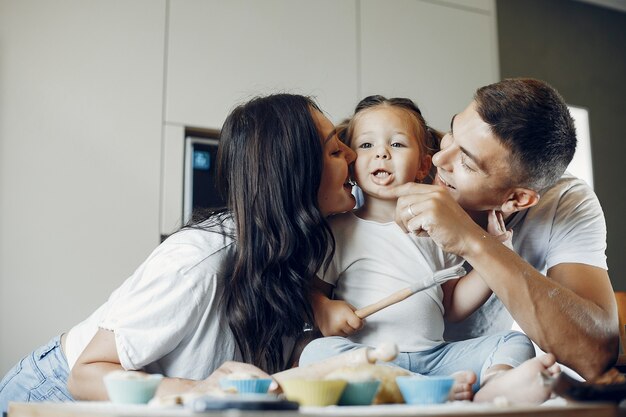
(531, 119)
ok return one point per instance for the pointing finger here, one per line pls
(404, 189)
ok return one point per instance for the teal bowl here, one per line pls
(359, 393)
(131, 390)
(424, 390)
(246, 386)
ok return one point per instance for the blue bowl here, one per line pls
(246, 386)
(359, 393)
(425, 389)
(123, 389)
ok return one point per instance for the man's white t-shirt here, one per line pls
(373, 260)
(566, 226)
(166, 316)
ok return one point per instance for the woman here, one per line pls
(232, 287)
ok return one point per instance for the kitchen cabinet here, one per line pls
(224, 52)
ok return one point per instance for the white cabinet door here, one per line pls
(433, 52)
(221, 53)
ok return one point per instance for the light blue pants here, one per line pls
(40, 376)
(505, 348)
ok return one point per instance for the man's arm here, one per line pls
(570, 311)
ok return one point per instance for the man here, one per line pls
(507, 152)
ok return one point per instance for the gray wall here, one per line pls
(581, 50)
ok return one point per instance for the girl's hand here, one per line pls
(497, 228)
(336, 317)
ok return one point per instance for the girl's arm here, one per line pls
(463, 296)
(332, 317)
(100, 357)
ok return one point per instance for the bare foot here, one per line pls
(521, 385)
(462, 387)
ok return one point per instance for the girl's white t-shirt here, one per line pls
(373, 260)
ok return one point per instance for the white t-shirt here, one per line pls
(166, 316)
(373, 260)
(566, 226)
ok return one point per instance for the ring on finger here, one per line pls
(411, 211)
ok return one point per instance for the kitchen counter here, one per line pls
(554, 408)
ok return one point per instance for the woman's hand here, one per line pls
(227, 368)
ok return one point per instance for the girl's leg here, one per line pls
(507, 366)
(326, 347)
(511, 350)
(41, 376)
(520, 385)
(476, 355)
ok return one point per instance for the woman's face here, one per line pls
(335, 193)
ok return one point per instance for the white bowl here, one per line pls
(129, 387)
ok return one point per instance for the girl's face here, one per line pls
(335, 193)
(388, 152)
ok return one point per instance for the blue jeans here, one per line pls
(478, 354)
(40, 376)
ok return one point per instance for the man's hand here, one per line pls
(335, 317)
(431, 209)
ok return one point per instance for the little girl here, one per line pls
(374, 257)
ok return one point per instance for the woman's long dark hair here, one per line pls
(270, 164)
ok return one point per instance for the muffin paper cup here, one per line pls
(310, 392)
(132, 391)
(246, 386)
(359, 393)
(425, 390)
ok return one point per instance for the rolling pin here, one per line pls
(437, 278)
(385, 352)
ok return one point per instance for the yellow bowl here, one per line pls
(314, 392)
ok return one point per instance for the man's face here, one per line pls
(473, 165)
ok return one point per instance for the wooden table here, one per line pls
(455, 409)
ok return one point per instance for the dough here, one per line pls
(239, 376)
(388, 391)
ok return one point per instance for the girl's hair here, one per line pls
(270, 162)
(427, 137)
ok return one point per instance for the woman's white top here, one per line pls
(166, 317)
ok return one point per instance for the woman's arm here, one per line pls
(100, 357)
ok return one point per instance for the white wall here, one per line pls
(81, 93)
(94, 97)
(435, 54)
